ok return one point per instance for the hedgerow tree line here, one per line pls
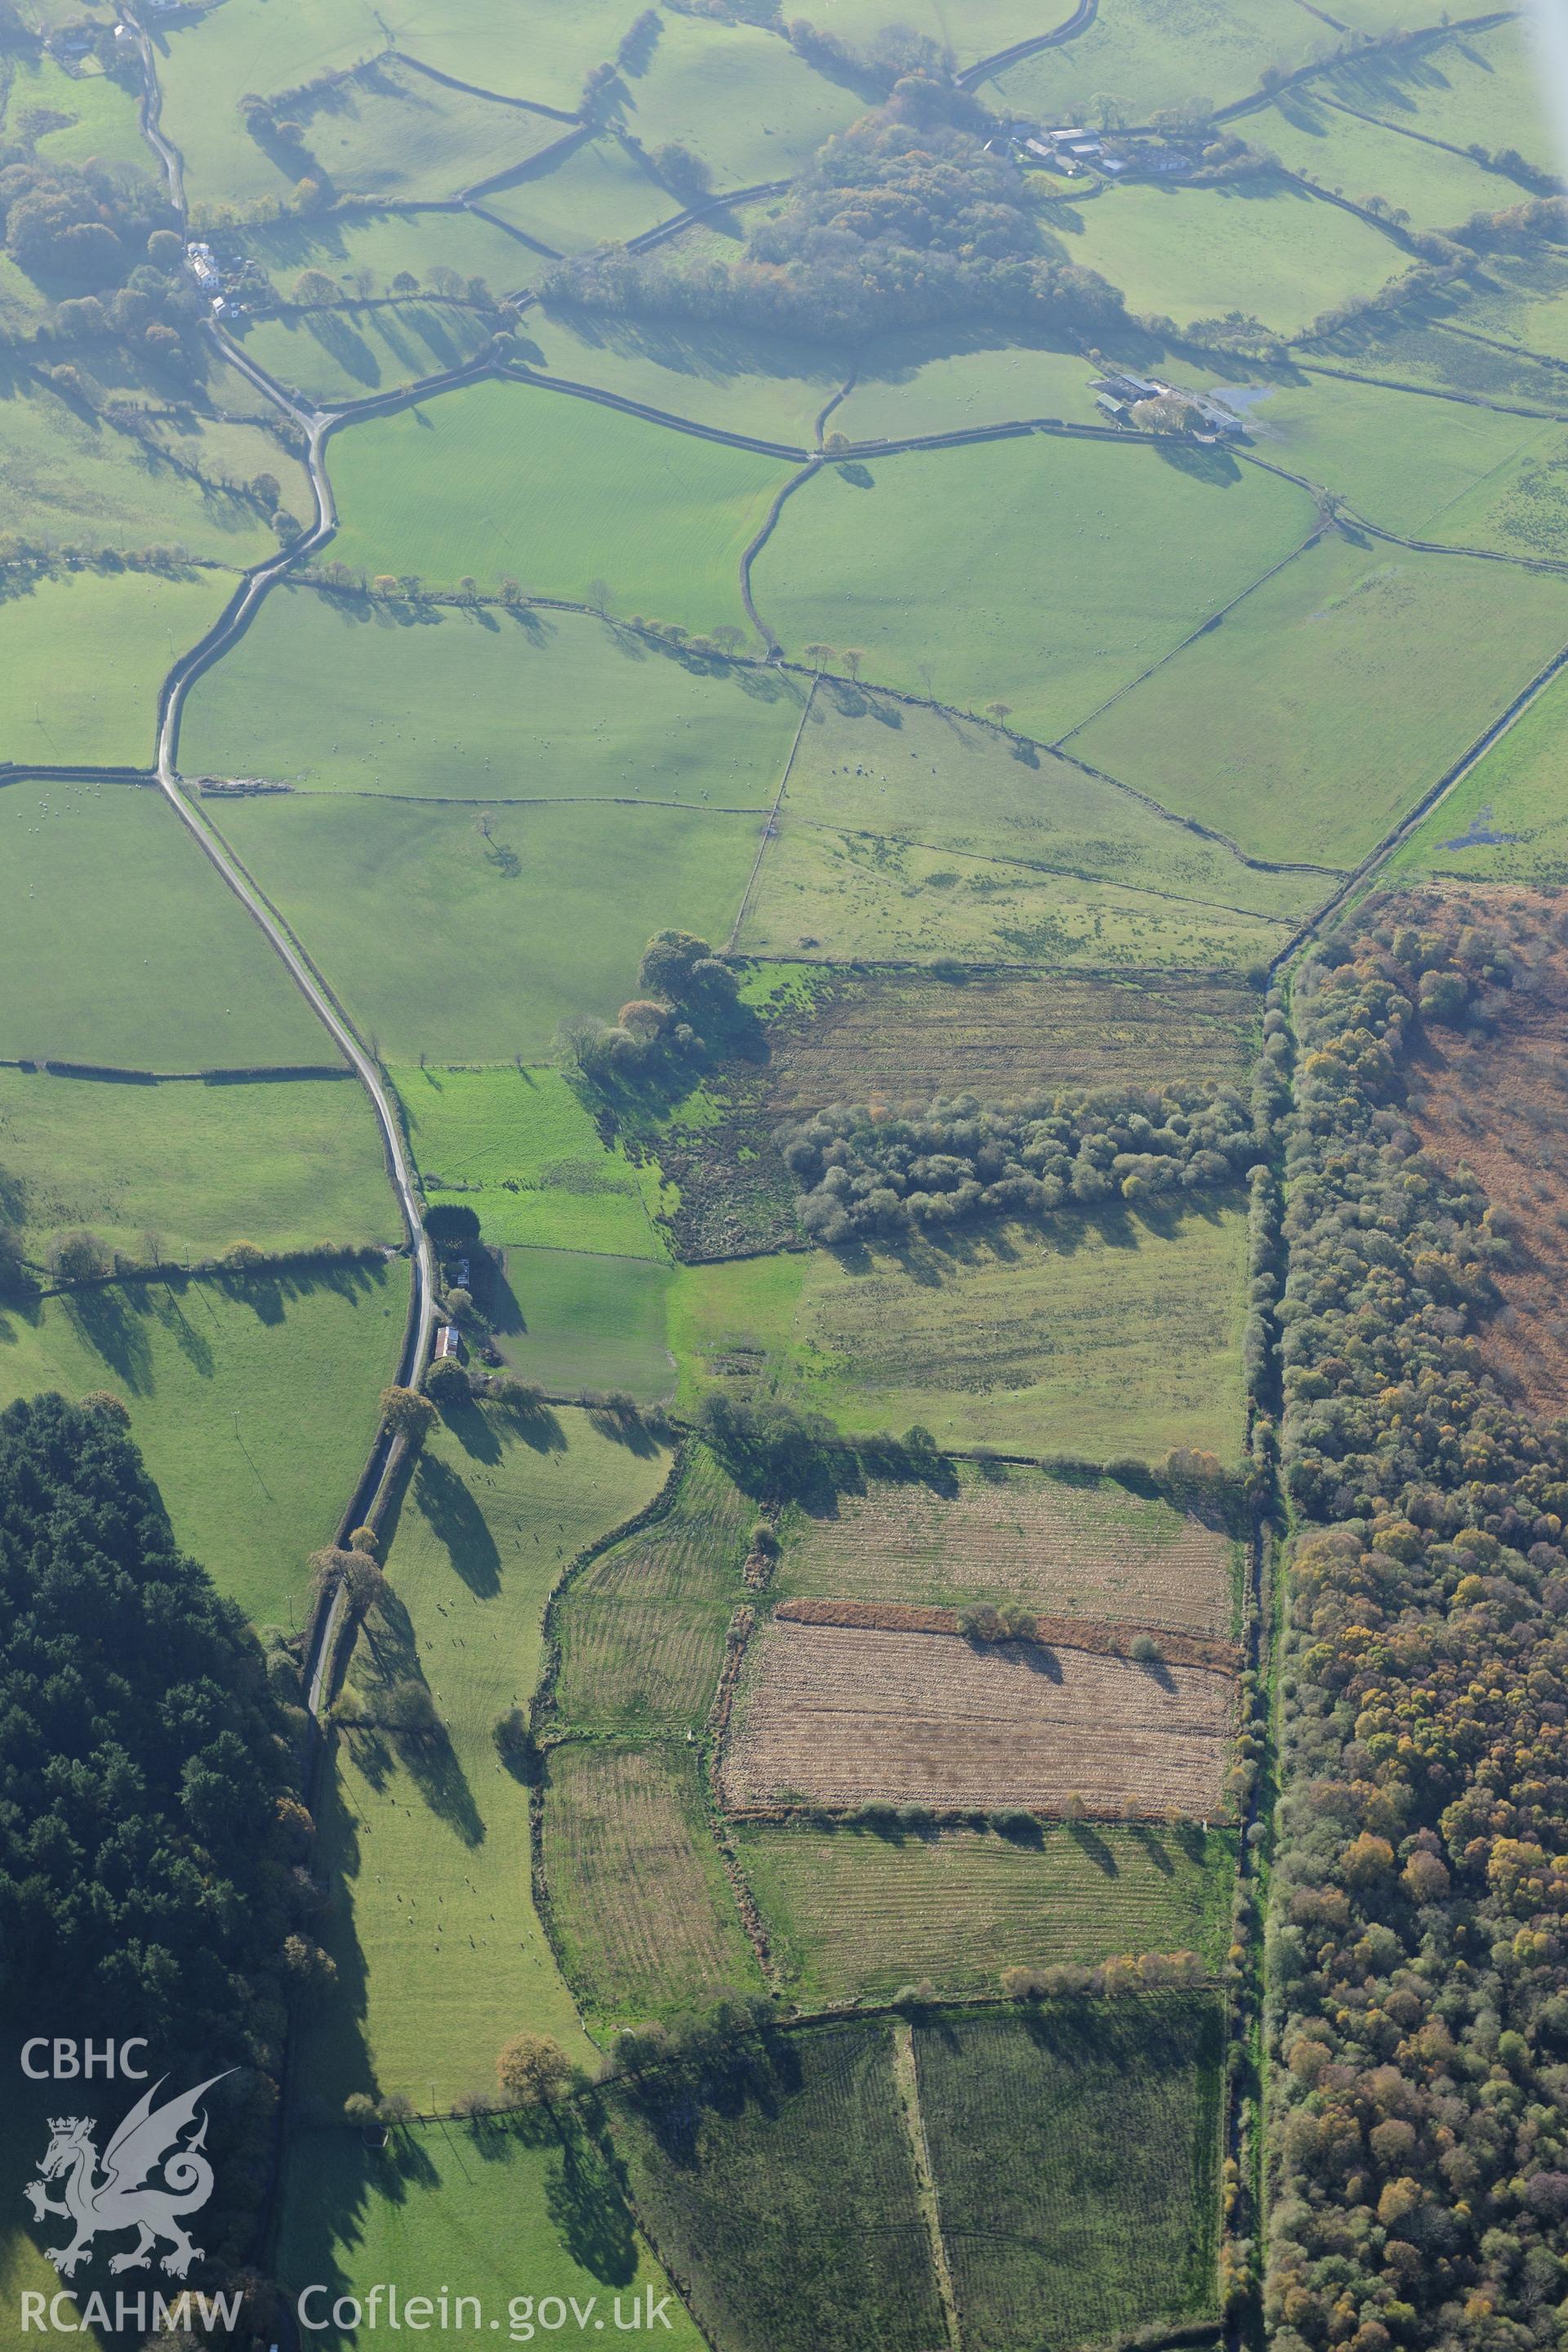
(1419, 2015)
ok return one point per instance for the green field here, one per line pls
(596, 193)
(1522, 296)
(573, 499)
(1430, 349)
(1407, 464)
(1076, 2154)
(101, 122)
(519, 1148)
(642, 1630)
(337, 355)
(1148, 53)
(794, 2221)
(1331, 700)
(119, 944)
(67, 474)
(1001, 1533)
(1144, 546)
(449, 939)
(254, 1403)
(985, 28)
(869, 769)
(287, 1165)
(739, 97)
(393, 133)
(1473, 88)
(1093, 1337)
(205, 66)
(495, 2210)
(349, 693)
(576, 1320)
(345, 245)
(542, 50)
(839, 895)
(440, 1956)
(1345, 153)
(770, 386)
(642, 1918)
(1515, 793)
(1266, 247)
(851, 1915)
(943, 381)
(104, 640)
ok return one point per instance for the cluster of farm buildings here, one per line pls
(1119, 392)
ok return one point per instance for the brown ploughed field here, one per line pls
(841, 1714)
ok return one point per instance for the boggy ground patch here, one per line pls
(1494, 1098)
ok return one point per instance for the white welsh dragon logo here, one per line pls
(123, 2197)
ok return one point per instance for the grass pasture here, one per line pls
(1151, 53)
(286, 1164)
(852, 1914)
(1338, 149)
(642, 1628)
(642, 1915)
(497, 478)
(254, 1403)
(390, 130)
(793, 2222)
(158, 967)
(1333, 698)
(485, 2208)
(1524, 297)
(852, 1715)
(841, 895)
(1505, 821)
(104, 640)
(876, 771)
(519, 1148)
(68, 474)
(555, 905)
(440, 1954)
(343, 245)
(1099, 1338)
(576, 1320)
(207, 64)
(100, 114)
(918, 560)
(1013, 1535)
(541, 51)
(739, 97)
(942, 380)
(1265, 245)
(771, 386)
(864, 1039)
(1076, 2152)
(346, 693)
(1407, 464)
(1473, 87)
(598, 193)
(336, 355)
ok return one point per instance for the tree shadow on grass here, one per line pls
(459, 1525)
(1093, 1847)
(113, 1323)
(1145, 1834)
